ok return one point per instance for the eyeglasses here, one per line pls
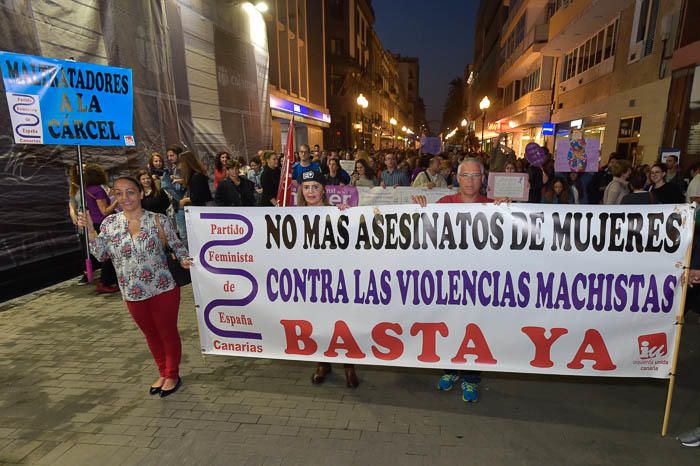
(470, 175)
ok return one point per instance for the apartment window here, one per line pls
(337, 9)
(336, 84)
(596, 49)
(531, 82)
(336, 46)
(515, 39)
(643, 29)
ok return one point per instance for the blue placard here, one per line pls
(547, 129)
(65, 102)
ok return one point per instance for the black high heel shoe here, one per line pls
(154, 390)
(164, 393)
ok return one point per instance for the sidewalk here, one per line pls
(74, 374)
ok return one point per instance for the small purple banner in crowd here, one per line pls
(430, 145)
(336, 195)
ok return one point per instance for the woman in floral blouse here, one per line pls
(131, 240)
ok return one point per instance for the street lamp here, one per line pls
(483, 105)
(393, 124)
(464, 130)
(363, 103)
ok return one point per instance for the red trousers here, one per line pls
(157, 319)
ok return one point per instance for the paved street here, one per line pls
(74, 372)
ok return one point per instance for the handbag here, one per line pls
(181, 275)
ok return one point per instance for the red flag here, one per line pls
(284, 192)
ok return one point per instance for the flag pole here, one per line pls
(88, 262)
(680, 320)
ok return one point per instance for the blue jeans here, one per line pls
(180, 223)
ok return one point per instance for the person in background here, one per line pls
(336, 175)
(509, 167)
(220, 166)
(392, 176)
(244, 167)
(557, 192)
(172, 183)
(235, 190)
(665, 193)
(254, 176)
(99, 206)
(619, 185)
(578, 188)
(694, 185)
(154, 199)
(691, 438)
(270, 179)
(311, 193)
(639, 195)
(304, 164)
(362, 176)
(448, 173)
(673, 174)
(156, 167)
(195, 178)
(430, 177)
(132, 239)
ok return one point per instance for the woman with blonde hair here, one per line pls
(311, 193)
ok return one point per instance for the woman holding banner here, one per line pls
(311, 193)
(134, 240)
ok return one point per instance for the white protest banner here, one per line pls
(585, 290)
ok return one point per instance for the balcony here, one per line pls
(524, 55)
(530, 109)
(570, 26)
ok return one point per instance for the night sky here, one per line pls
(439, 32)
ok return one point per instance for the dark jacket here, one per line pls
(269, 181)
(198, 188)
(229, 194)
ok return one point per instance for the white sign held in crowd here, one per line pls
(514, 186)
(592, 290)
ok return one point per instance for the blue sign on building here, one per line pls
(288, 106)
(64, 102)
(547, 129)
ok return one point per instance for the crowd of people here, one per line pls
(125, 224)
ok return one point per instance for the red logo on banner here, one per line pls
(652, 346)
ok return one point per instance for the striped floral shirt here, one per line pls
(140, 262)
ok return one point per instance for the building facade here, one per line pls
(296, 32)
(524, 75)
(612, 78)
(482, 80)
(598, 69)
(357, 64)
(682, 130)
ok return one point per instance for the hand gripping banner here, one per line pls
(586, 290)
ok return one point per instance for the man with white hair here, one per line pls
(470, 175)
